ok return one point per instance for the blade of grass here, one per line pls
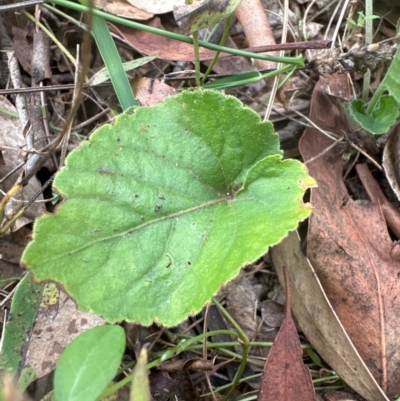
(245, 78)
(222, 42)
(112, 61)
(298, 60)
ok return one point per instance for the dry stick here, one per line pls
(254, 21)
(86, 48)
(20, 101)
(64, 144)
(276, 79)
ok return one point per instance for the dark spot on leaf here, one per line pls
(118, 140)
(157, 208)
(189, 263)
(193, 224)
(96, 231)
(105, 170)
(142, 218)
(136, 195)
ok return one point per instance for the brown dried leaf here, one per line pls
(391, 159)
(166, 48)
(285, 377)
(241, 305)
(350, 249)
(150, 92)
(156, 6)
(272, 313)
(22, 48)
(57, 323)
(374, 191)
(318, 320)
(123, 9)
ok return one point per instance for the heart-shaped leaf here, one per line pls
(165, 206)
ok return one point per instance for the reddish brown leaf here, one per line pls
(285, 377)
(350, 248)
(150, 92)
(150, 43)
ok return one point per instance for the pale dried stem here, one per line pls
(253, 18)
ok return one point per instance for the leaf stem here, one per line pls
(222, 42)
(182, 346)
(196, 57)
(245, 346)
(298, 61)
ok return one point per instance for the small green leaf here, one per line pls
(26, 377)
(204, 13)
(89, 363)
(383, 116)
(140, 390)
(155, 221)
(23, 311)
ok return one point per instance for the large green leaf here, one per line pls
(167, 205)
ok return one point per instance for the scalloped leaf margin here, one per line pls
(165, 206)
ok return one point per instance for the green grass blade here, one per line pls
(245, 78)
(112, 61)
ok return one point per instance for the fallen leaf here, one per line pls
(272, 313)
(166, 48)
(285, 377)
(58, 322)
(350, 248)
(241, 305)
(123, 9)
(150, 92)
(319, 321)
(156, 6)
(376, 195)
(391, 159)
